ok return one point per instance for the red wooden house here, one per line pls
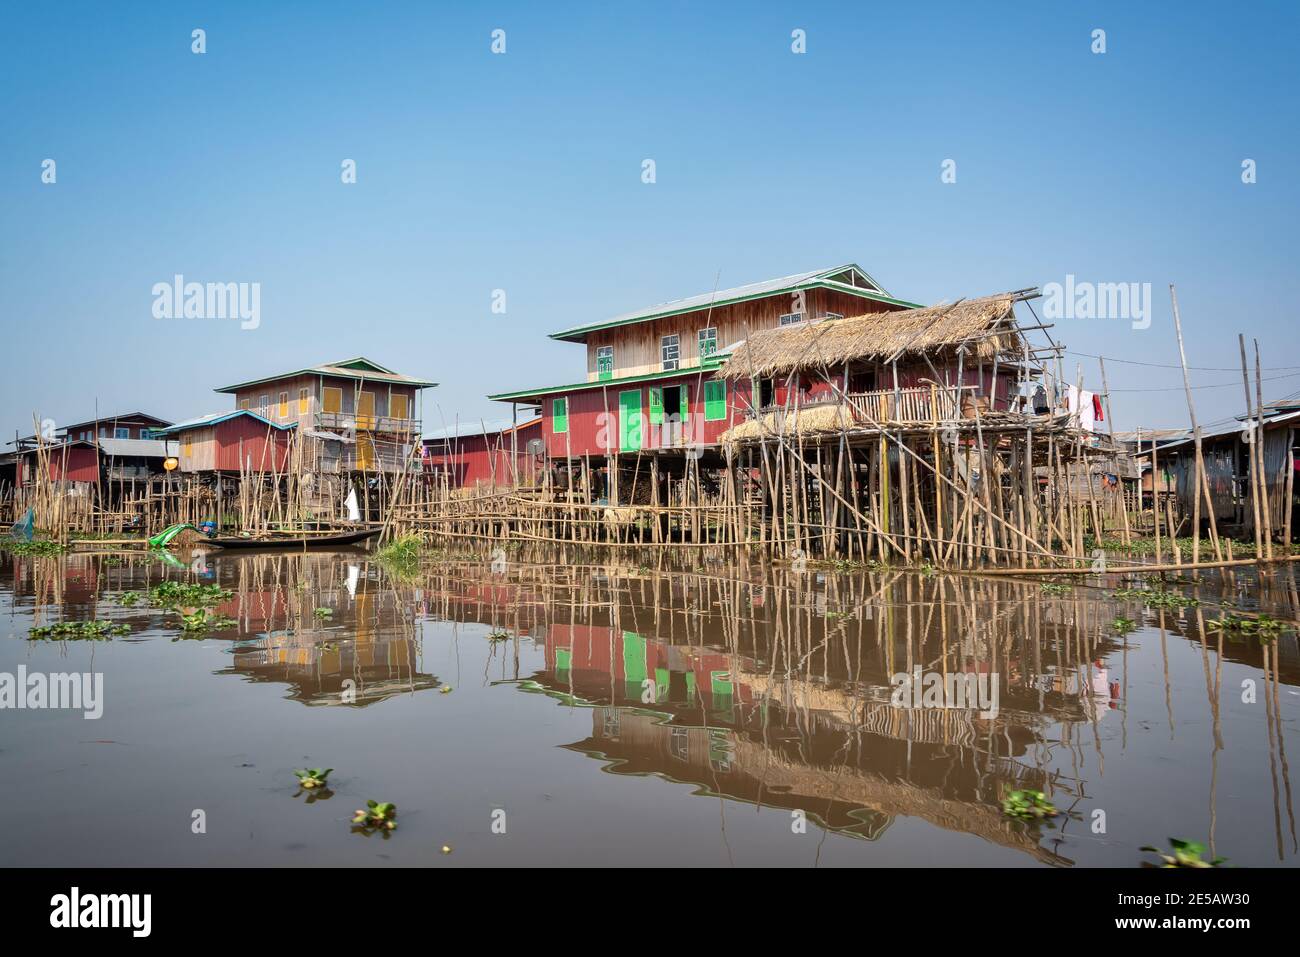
(650, 382)
(231, 441)
(493, 454)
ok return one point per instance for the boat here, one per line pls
(297, 540)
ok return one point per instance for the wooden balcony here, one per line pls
(349, 421)
(918, 406)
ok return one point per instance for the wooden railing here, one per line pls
(346, 421)
(918, 405)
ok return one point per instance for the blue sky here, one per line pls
(522, 172)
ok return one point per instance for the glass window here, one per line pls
(708, 342)
(604, 362)
(670, 351)
(790, 318)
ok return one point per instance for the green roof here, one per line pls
(358, 368)
(598, 383)
(848, 278)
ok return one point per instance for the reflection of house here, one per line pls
(494, 454)
(353, 415)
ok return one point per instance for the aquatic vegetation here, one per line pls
(34, 547)
(1028, 806)
(77, 631)
(445, 689)
(1158, 598)
(839, 616)
(129, 598)
(1056, 588)
(176, 595)
(1265, 628)
(402, 556)
(498, 634)
(1182, 854)
(323, 613)
(1123, 626)
(202, 619)
(376, 817)
(309, 778)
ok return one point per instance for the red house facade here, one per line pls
(491, 455)
(650, 383)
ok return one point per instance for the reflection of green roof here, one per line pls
(848, 278)
(707, 369)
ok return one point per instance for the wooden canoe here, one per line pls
(289, 540)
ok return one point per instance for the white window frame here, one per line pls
(701, 338)
(790, 318)
(601, 352)
(665, 363)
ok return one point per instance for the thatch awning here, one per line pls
(986, 326)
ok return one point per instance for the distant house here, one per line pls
(353, 416)
(470, 455)
(1226, 454)
(119, 447)
(231, 442)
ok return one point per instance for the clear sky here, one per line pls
(522, 172)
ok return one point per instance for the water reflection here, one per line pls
(773, 688)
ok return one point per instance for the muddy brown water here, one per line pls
(568, 709)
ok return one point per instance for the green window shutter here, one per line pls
(708, 342)
(656, 405)
(715, 400)
(560, 416)
(605, 365)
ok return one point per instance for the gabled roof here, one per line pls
(212, 418)
(361, 368)
(848, 278)
(121, 417)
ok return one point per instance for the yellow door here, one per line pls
(365, 452)
(365, 410)
(398, 407)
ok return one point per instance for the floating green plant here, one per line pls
(323, 613)
(129, 598)
(1182, 854)
(1028, 806)
(77, 631)
(170, 594)
(1157, 598)
(1056, 588)
(1265, 628)
(376, 817)
(34, 547)
(498, 634)
(839, 616)
(402, 556)
(310, 778)
(204, 620)
(1123, 626)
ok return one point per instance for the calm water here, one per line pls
(633, 715)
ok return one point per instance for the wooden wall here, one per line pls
(637, 346)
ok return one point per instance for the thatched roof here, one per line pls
(878, 335)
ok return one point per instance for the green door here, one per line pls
(629, 420)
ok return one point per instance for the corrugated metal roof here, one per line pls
(144, 448)
(1234, 428)
(755, 290)
(461, 430)
(212, 418)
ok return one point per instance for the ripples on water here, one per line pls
(616, 713)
